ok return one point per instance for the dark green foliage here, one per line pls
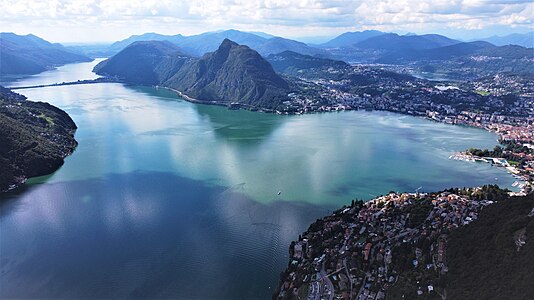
(233, 73)
(22, 55)
(34, 138)
(484, 262)
(419, 212)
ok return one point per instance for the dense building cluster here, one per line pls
(392, 245)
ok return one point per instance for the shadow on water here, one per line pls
(145, 234)
(240, 126)
(236, 126)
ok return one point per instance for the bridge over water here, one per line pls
(87, 81)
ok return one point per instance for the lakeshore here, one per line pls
(180, 187)
(394, 246)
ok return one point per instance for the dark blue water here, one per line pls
(144, 234)
(164, 198)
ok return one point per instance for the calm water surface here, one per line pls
(164, 198)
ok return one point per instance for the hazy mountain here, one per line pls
(233, 73)
(261, 34)
(210, 41)
(292, 63)
(395, 42)
(144, 62)
(520, 39)
(278, 44)
(29, 54)
(441, 53)
(350, 38)
(198, 45)
(466, 60)
(151, 36)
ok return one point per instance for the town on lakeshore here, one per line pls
(392, 247)
(225, 149)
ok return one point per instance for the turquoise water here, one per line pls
(167, 198)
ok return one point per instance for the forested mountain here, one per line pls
(144, 62)
(150, 36)
(233, 73)
(485, 259)
(29, 54)
(35, 137)
(293, 63)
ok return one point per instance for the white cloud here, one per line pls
(284, 17)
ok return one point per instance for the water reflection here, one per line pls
(145, 234)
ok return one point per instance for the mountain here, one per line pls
(210, 41)
(278, 44)
(29, 54)
(144, 62)
(395, 42)
(466, 60)
(376, 47)
(292, 63)
(233, 73)
(198, 45)
(520, 39)
(35, 137)
(150, 36)
(441, 53)
(350, 38)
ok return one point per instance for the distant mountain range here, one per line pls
(29, 54)
(197, 45)
(520, 39)
(231, 74)
(427, 53)
(351, 38)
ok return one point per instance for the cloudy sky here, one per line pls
(109, 20)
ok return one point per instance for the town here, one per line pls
(392, 246)
(503, 104)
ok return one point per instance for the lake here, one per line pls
(165, 198)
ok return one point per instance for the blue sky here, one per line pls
(110, 20)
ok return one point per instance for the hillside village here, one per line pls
(392, 245)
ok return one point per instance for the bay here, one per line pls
(165, 198)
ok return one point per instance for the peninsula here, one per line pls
(35, 137)
(455, 244)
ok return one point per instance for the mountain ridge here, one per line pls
(30, 54)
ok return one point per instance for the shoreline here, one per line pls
(383, 246)
(522, 182)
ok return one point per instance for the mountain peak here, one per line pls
(233, 73)
(227, 43)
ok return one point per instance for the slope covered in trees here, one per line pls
(35, 137)
(485, 261)
(29, 54)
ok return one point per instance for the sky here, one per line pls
(90, 21)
